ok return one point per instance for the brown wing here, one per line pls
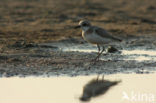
(103, 33)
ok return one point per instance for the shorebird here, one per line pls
(96, 35)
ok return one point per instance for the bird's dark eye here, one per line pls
(84, 24)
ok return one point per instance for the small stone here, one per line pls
(111, 49)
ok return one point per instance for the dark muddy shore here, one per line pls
(74, 57)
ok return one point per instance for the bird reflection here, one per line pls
(96, 87)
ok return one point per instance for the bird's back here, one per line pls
(104, 34)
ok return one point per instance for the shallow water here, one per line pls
(136, 54)
(139, 52)
(76, 59)
(140, 55)
(139, 88)
(80, 48)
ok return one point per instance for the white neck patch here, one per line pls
(85, 28)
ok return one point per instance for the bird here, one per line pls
(96, 35)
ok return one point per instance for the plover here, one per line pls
(96, 35)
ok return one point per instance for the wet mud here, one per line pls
(74, 56)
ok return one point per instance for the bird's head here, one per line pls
(84, 25)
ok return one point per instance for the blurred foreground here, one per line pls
(132, 88)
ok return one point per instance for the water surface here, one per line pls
(69, 89)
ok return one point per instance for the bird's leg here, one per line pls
(103, 49)
(97, 58)
(97, 77)
(103, 77)
(98, 54)
(98, 48)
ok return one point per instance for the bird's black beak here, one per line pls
(76, 27)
